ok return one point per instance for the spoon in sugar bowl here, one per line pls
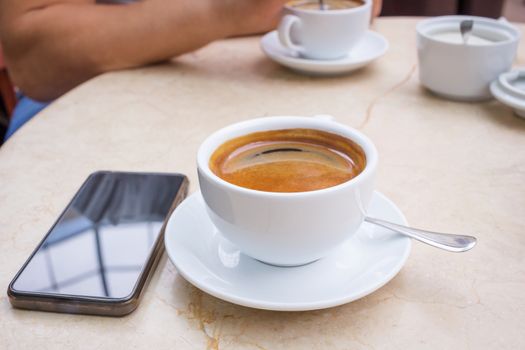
(445, 241)
(465, 28)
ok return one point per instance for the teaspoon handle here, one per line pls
(446, 241)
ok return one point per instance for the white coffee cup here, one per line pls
(323, 34)
(460, 71)
(286, 229)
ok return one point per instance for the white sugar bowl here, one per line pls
(460, 70)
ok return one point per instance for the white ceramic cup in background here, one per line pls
(464, 71)
(323, 34)
(286, 229)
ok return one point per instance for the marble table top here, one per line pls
(450, 166)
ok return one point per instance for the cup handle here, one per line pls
(284, 30)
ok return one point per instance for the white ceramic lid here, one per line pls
(509, 89)
(513, 83)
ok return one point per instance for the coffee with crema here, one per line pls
(328, 4)
(289, 160)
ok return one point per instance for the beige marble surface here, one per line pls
(449, 166)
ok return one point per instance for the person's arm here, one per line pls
(51, 46)
(376, 8)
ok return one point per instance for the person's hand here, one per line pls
(376, 7)
(259, 16)
(251, 16)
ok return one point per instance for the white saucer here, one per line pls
(357, 268)
(509, 89)
(371, 47)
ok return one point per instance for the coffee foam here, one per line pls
(291, 160)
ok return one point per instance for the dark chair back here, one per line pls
(484, 8)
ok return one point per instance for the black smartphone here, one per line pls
(98, 256)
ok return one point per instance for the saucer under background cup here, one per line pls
(371, 47)
(361, 265)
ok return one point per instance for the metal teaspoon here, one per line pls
(446, 241)
(465, 27)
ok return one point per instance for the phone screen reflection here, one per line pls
(100, 244)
